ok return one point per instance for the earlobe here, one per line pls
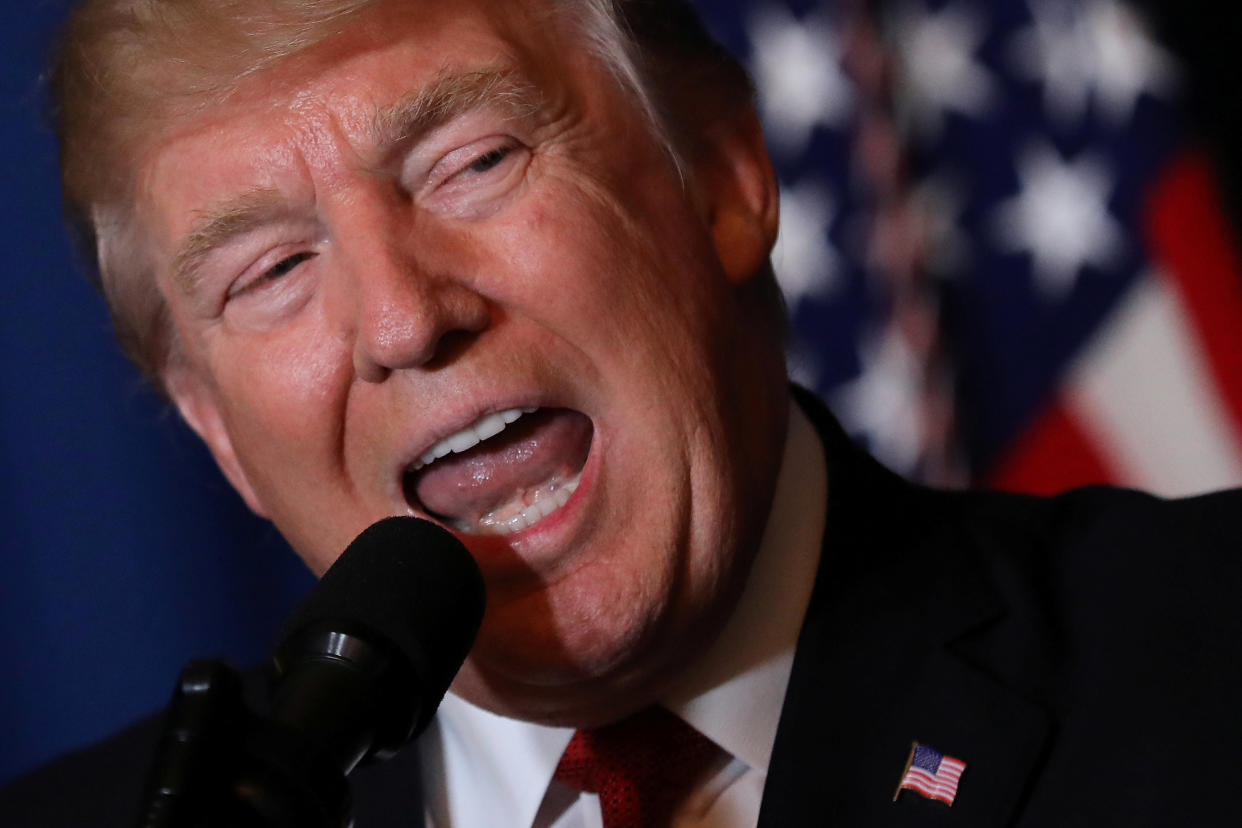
(199, 409)
(742, 195)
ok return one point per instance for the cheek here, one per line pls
(286, 417)
(284, 392)
(603, 261)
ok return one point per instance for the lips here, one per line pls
(503, 473)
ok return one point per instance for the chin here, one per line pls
(594, 670)
(602, 666)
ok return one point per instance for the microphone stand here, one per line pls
(219, 765)
(369, 656)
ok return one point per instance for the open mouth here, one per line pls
(505, 472)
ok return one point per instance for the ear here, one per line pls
(735, 179)
(195, 398)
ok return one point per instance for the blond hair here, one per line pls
(126, 68)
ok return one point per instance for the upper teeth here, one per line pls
(487, 426)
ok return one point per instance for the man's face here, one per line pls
(449, 219)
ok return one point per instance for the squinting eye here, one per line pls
(489, 159)
(286, 264)
(475, 179)
(273, 274)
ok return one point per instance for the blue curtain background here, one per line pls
(125, 553)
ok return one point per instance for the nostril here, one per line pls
(369, 370)
(450, 346)
(374, 365)
(416, 323)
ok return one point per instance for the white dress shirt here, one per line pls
(480, 770)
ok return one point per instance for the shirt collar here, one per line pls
(468, 750)
(733, 694)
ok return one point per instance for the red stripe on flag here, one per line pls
(1051, 455)
(1193, 243)
(930, 786)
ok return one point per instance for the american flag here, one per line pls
(931, 774)
(1002, 245)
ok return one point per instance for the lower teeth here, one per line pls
(546, 500)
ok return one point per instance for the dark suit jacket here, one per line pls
(1081, 654)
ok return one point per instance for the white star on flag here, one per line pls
(883, 402)
(1102, 46)
(1061, 217)
(939, 70)
(805, 361)
(797, 69)
(804, 261)
(1130, 63)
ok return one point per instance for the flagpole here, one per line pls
(909, 761)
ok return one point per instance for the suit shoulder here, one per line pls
(104, 780)
(1099, 549)
(1109, 521)
(1118, 588)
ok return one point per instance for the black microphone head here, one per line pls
(410, 586)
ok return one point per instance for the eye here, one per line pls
(285, 265)
(475, 180)
(477, 163)
(277, 271)
(490, 159)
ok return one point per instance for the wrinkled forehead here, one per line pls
(396, 70)
(420, 40)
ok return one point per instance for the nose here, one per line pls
(405, 315)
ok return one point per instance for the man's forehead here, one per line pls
(371, 97)
(391, 126)
(444, 48)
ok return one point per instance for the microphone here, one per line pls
(362, 666)
(364, 662)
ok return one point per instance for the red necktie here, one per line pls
(641, 767)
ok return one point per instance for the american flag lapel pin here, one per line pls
(930, 773)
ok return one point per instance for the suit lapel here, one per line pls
(899, 587)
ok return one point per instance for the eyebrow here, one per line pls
(448, 96)
(393, 127)
(218, 225)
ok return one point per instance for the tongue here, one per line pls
(547, 445)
